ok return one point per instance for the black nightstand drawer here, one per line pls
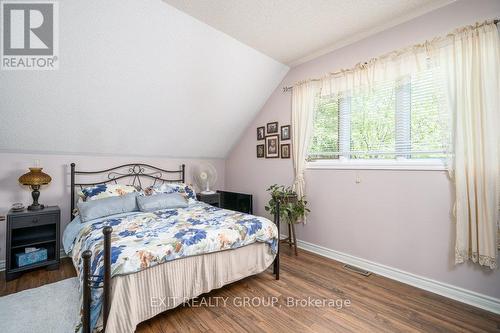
(32, 221)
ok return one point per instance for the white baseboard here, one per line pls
(459, 294)
(62, 254)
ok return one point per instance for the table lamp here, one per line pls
(35, 178)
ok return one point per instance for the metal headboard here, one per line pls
(132, 171)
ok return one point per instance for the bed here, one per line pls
(135, 265)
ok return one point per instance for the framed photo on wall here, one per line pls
(285, 150)
(272, 127)
(260, 150)
(272, 146)
(285, 132)
(261, 133)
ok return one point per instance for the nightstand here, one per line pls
(211, 199)
(39, 229)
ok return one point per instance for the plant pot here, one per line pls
(290, 199)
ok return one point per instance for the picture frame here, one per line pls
(261, 151)
(272, 146)
(261, 133)
(272, 127)
(285, 150)
(285, 132)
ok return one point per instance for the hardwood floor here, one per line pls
(377, 304)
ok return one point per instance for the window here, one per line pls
(401, 121)
(325, 140)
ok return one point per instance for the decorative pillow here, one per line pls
(79, 198)
(102, 191)
(161, 201)
(181, 188)
(94, 209)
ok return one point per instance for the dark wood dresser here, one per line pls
(239, 202)
(211, 199)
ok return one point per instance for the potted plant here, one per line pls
(292, 209)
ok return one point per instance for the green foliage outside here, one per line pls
(373, 123)
(325, 137)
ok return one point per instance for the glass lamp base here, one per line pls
(35, 194)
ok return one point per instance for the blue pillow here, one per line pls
(91, 210)
(161, 201)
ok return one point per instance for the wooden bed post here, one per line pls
(276, 269)
(86, 291)
(107, 274)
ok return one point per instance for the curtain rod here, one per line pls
(290, 88)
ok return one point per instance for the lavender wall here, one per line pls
(396, 218)
(57, 166)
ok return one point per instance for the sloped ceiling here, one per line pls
(294, 31)
(136, 77)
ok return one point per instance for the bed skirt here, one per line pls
(140, 296)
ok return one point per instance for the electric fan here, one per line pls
(205, 176)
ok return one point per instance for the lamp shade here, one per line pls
(35, 177)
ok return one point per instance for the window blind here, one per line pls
(401, 119)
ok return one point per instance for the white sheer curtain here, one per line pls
(303, 100)
(473, 73)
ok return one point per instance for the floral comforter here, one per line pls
(142, 240)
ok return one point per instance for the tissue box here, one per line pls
(23, 259)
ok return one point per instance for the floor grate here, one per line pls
(357, 270)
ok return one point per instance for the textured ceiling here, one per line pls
(294, 31)
(136, 78)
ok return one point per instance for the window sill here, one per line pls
(423, 165)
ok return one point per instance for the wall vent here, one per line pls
(357, 270)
